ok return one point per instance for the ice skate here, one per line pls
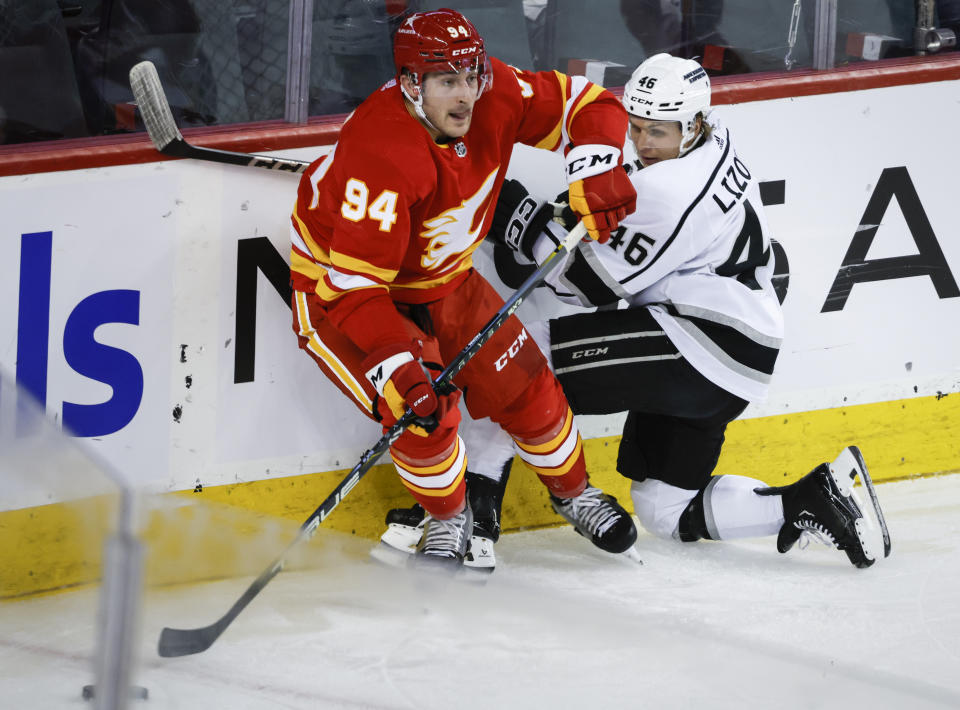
(599, 518)
(444, 542)
(405, 528)
(405, 525)
(825, 505)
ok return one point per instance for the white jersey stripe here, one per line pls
(720, 355)
(558, 457)
(297, 240)
(730, 322)
(319, 174)
(345, 282)
(316, 346)
(437, 480)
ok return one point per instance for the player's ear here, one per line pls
(410, 87)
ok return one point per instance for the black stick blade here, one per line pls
(186, 642)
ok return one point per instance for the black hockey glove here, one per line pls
(509, 270)
(519, 218)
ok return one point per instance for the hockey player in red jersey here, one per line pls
(384, 291)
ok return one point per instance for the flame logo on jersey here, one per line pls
(450, 232)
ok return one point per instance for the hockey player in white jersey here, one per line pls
(688, 330)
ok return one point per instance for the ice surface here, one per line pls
(558, 625)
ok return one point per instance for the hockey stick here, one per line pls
(183, 642)
(167, 138)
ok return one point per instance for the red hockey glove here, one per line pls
(401, 381)
(600, 191)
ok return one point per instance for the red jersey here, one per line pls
(390, 212)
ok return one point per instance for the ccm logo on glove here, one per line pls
(402, 381)
(600, 191)
(521, 218)
(587, 160)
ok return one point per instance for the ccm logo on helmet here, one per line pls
(460, 52)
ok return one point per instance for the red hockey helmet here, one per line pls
(441, 40)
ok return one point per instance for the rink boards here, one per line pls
(144, 305)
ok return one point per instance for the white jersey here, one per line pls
(696, 252)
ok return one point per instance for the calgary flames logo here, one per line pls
(450, 232)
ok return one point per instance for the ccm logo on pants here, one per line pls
(589, 352)
(512, 351)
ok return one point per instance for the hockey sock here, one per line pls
(728, 508)
(556, 456)
(435, 479)
(658, 505)
(489, 448)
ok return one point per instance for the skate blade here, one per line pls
(480, 555)
(390, 556)
(871, 527)
(396, 545)
(874, 508)
(400, 541)
(632, 554)
(446, 570)
(404, 538)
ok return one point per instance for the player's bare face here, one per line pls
(655, 141)
(448, 100)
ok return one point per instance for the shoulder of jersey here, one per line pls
(505, 84)
(500, 68)
(387, 130)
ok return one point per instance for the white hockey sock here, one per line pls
(732, 510)
(658, 506)
(489, 447)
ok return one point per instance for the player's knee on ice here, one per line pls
(658, 506)
(727, 508)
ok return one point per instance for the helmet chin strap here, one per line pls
(689, 137)
(689, 140)
(418, 102)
